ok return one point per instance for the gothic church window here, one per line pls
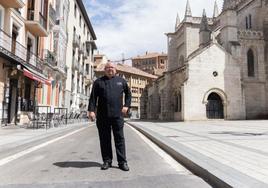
(181, 61)
(178, 103)
(246, 22)
(250, 62)
(249, 22)
(159, 106)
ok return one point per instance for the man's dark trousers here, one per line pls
(105, 125)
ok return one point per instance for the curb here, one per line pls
(211, 171)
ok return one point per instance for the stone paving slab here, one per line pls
(227, 153)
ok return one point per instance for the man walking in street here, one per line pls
(107, 97)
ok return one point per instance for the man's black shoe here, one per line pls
(106, 165)
(124, 166)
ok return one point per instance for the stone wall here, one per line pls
(226, 84)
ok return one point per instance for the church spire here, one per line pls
(225, 4)
(216, 10)
(204, 33)
(177, 21)
(188, 11)
(228, 4)
(204, 22)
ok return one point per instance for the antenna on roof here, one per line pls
(123, 58)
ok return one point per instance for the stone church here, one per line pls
(217, 67)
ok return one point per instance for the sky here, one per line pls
(128, 28)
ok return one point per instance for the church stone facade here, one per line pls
(217, 67)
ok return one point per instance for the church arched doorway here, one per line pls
(214, 107)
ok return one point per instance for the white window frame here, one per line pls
(3, 17)
(32, 37)
(19, 26)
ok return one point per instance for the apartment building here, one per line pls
(36, 68)
(53, 53)
(152, 63)
(137, 81)
(100, 59)
(24, 25)
(79, 60)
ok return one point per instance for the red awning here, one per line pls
(33, 76)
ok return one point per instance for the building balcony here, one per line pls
(15, 51)
(83, 98)
(91, 45)
(78, 89)
(85, 73)
(81, 49)
(65, 69)
(73, 86)
(86, 53)
(88, 80)
(36, 23)
(76, 41)
(50, 58)
(12, 3)
(81, 69)
(52, 14)
(75, 65)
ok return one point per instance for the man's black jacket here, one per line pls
(107, 95)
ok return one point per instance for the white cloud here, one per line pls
(137, 26)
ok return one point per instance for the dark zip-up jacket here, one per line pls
(107, 96)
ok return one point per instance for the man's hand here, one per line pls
(92, 116)
(124, 111)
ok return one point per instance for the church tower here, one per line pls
(228, 21)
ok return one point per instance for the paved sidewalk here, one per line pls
(225, 153)
(11, 137)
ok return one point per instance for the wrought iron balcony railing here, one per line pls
(73, 86)
(81, 49)
(75, 65)
(30, 14)
(50, 58)
(76, 42)
(91, 45)
(18, 52)
(52, 14)
(80, 68)
(42, 20)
